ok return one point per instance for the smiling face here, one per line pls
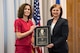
(27, 10)
(56, 12)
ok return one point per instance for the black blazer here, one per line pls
(59, 34)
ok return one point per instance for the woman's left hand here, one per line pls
(50, 45)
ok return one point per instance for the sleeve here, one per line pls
(17, 26)
(64, 33)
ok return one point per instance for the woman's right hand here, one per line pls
(32, 28)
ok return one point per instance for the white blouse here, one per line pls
(52, 27)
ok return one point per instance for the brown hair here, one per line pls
(56, 5)
(21, 11)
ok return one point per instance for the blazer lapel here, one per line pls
(58, 21)
(56, 25)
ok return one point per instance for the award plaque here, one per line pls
(42, 36)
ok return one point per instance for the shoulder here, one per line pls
(30, 21)
(50, 20)
(64, 20)
(17, 21)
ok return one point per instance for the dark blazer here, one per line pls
(59, 35)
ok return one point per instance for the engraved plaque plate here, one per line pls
(42, 36)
